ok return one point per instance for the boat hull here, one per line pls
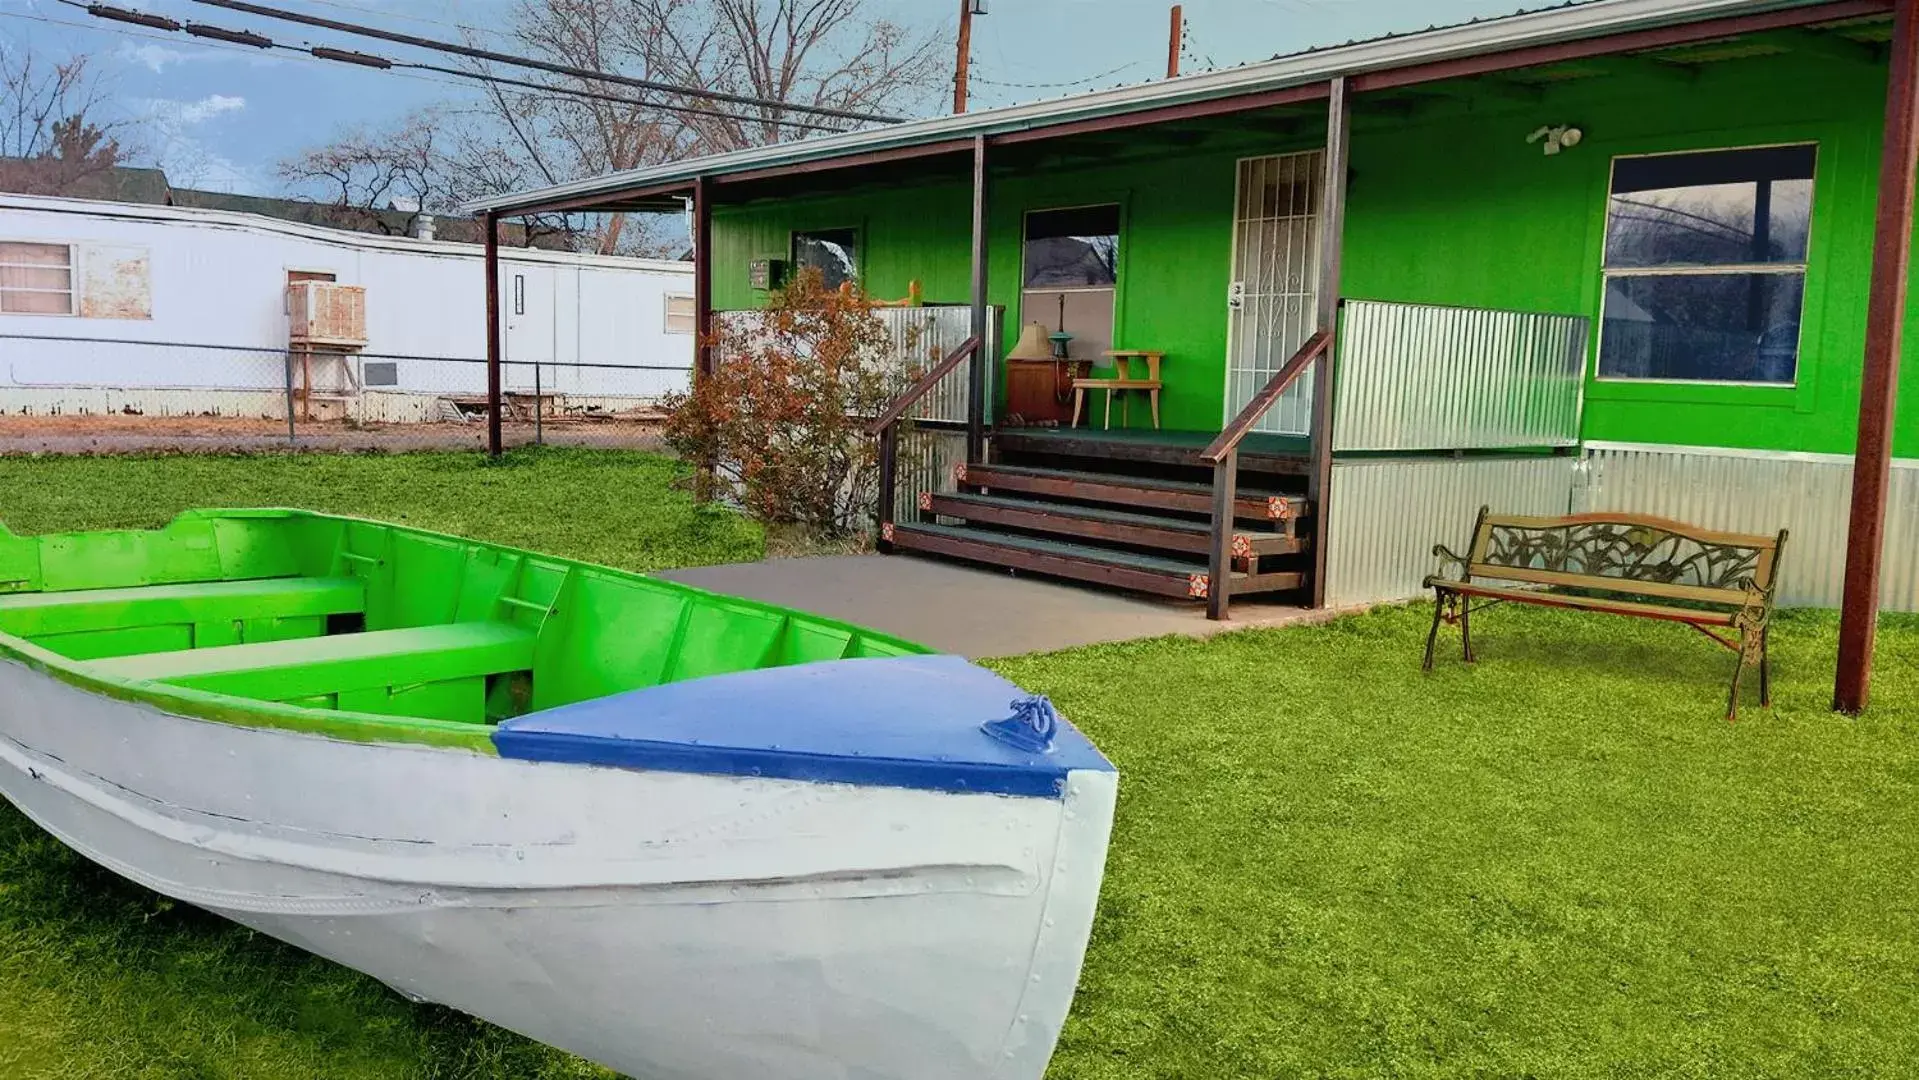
(668, 925)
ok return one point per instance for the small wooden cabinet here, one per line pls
(1035, 389)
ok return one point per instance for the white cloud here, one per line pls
(168, 126)
(155, 58)
(199, 112)
(168, 116)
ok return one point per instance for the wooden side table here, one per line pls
(1124, 381)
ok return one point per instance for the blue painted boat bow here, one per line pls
(910, 722)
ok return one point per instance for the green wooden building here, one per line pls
(1615, 255)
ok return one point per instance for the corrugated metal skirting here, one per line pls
(1387, 514)
(920, 337)
(1420, 377)
(1763, 493)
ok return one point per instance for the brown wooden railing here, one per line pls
(1223, 453)
(886, 427)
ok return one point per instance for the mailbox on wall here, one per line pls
(766, 273)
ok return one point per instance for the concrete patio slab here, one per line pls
(972, 611)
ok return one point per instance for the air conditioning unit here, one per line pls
(326, 315)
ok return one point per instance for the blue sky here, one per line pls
(220, 116)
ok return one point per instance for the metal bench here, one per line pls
(1623, 564)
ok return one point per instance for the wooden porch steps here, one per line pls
(1178, 495)
(1190, 535)
(1127, 570)
(1066, 505)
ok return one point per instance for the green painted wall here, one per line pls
(1175, 249)
(1447, 206)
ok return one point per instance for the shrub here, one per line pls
(780, 423)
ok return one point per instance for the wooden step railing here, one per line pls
(886, 428)
(1223, 454)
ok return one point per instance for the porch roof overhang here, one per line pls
(1569, 32)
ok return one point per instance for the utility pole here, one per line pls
(965, 53)
(1172, 44)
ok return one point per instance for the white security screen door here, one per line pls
(1273, 306)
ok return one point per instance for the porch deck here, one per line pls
(1259, 452)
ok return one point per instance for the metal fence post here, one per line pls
(291, 437)
(539, 434)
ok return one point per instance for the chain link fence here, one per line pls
(97, 395)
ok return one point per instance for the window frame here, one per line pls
(1119, 233)
(858, 276)
(666, 314)
(1802, 268)
(73, 279)
(1119, 199)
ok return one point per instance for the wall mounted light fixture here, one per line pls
(1557, 137)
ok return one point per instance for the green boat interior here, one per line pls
(362, 617)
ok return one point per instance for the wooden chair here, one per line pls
(1123, 382)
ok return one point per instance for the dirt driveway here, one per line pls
(125, 434)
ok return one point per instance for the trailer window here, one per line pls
(1705, 266)
(833, 252)
(679, 314)
(36, 279)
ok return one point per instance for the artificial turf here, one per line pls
(1559, 862)
(1562, 861)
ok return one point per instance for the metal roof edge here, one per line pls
(244, 220)
(1595, 18)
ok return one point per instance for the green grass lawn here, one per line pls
(1559, 862)
(611, 507)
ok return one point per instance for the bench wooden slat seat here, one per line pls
(35, 614)
(1638, 564)
(338, 664)
(1643, 610)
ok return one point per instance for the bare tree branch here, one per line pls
(832, 53)
(52, 134)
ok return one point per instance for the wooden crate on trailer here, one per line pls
(324, 314)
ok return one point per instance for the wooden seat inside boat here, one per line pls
(90, 623)
(437, 671)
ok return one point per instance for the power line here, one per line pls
(1060, 85)
(197, 43)
(540, 65)
(381, 63)
(365, 10)
(709, 113)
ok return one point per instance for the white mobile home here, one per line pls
(161, 310)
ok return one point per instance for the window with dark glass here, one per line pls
(1706, 266)
(1070, 274)
(1072, 249)
(833, 252)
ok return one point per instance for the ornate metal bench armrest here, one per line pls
(1756, 611)
(1447, 559)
